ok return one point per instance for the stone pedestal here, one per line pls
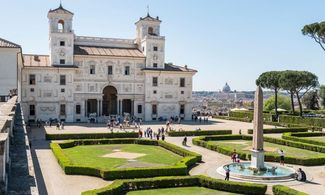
(257, 160)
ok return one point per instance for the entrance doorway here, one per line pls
(109, 100)
(91, 106)
(127, 106)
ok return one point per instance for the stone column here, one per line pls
(132, 107)
(257, 159)
(121, 107)
(85, 108)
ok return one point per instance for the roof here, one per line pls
(60, 9)
(149, 18)
(8, 44)
(107, 51)
(36, 60)
(171, 67)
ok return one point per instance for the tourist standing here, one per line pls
(233, 156)
(62, 125)
(301, 175)
(185, 141)
(58, 126)
(281, 153)
(163, 137)
(227, 173)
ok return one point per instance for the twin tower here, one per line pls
(62, 39)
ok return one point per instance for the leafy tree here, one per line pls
(270, 80)
(283, 102)
(322, 95)
(286, 83)
(310, 100)
(301, 83)
(316, 31)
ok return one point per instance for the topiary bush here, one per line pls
(180, 168)
(281, 130)
(123, 186)
(285, 190)
(299, 137)
(67, 136)
(198, 133)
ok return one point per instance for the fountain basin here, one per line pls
(243, 171)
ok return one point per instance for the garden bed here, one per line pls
(198, 133)
(136, 158)
(296, 152)
(137, 186)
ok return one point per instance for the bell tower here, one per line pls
(150, 42)
(61, 37)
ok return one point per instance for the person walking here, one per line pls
(163, 137)
(227, 173)
(185, 141)
(281, 153)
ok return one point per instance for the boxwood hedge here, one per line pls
(67, 136)
(281, 130)
(204, 142)
(198, 133)
(120, 187)
(285, 190)
(248, 120)
(308, 121)
(299, 137)
(180, 168)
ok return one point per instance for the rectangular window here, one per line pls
(62, 61)
(154, 81)
(139, 109)
(92, 69)
(78, 109)
(62, 109)
(62, 79)
(182, 82)
(127, 70)
(154, 109)
(182, 109)
(31, 89)
(155, 65)
(110, 70)
(182, 92)
(32, 110)
(62, 43)
(154, 91)
(62, 90)
(155, 48)
(32, 79)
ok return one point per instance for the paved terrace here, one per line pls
(52, 180)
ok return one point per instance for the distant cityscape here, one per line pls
(222, 101)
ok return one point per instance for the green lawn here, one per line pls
(180, 191)
(316, 138)
(92, 156)
(270, 148)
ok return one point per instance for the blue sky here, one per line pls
(225, 40)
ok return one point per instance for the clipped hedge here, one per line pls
(285, 190)
(249, 115)
(121, 187)
(314, 122)
(227, 150)
(180, 168)
(281, 130)
(233, 118)
(299, 137)
(198, 133)
(67, 136)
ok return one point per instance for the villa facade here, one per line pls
(85, 76)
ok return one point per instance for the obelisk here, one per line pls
(257, 159)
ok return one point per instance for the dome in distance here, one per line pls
(226, 88)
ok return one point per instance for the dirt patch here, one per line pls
(136, 164)
(124, 155)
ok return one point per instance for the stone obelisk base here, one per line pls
(257, 160)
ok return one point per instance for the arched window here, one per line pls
(150, 30)
(60, 25)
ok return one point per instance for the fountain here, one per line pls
(257, 169)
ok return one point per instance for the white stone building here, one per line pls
(106, 76)
(11, 62)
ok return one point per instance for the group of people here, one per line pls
(149, 133)
(200, 118)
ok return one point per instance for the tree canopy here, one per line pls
(283, 103)
(322, 95)
(316, 31)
